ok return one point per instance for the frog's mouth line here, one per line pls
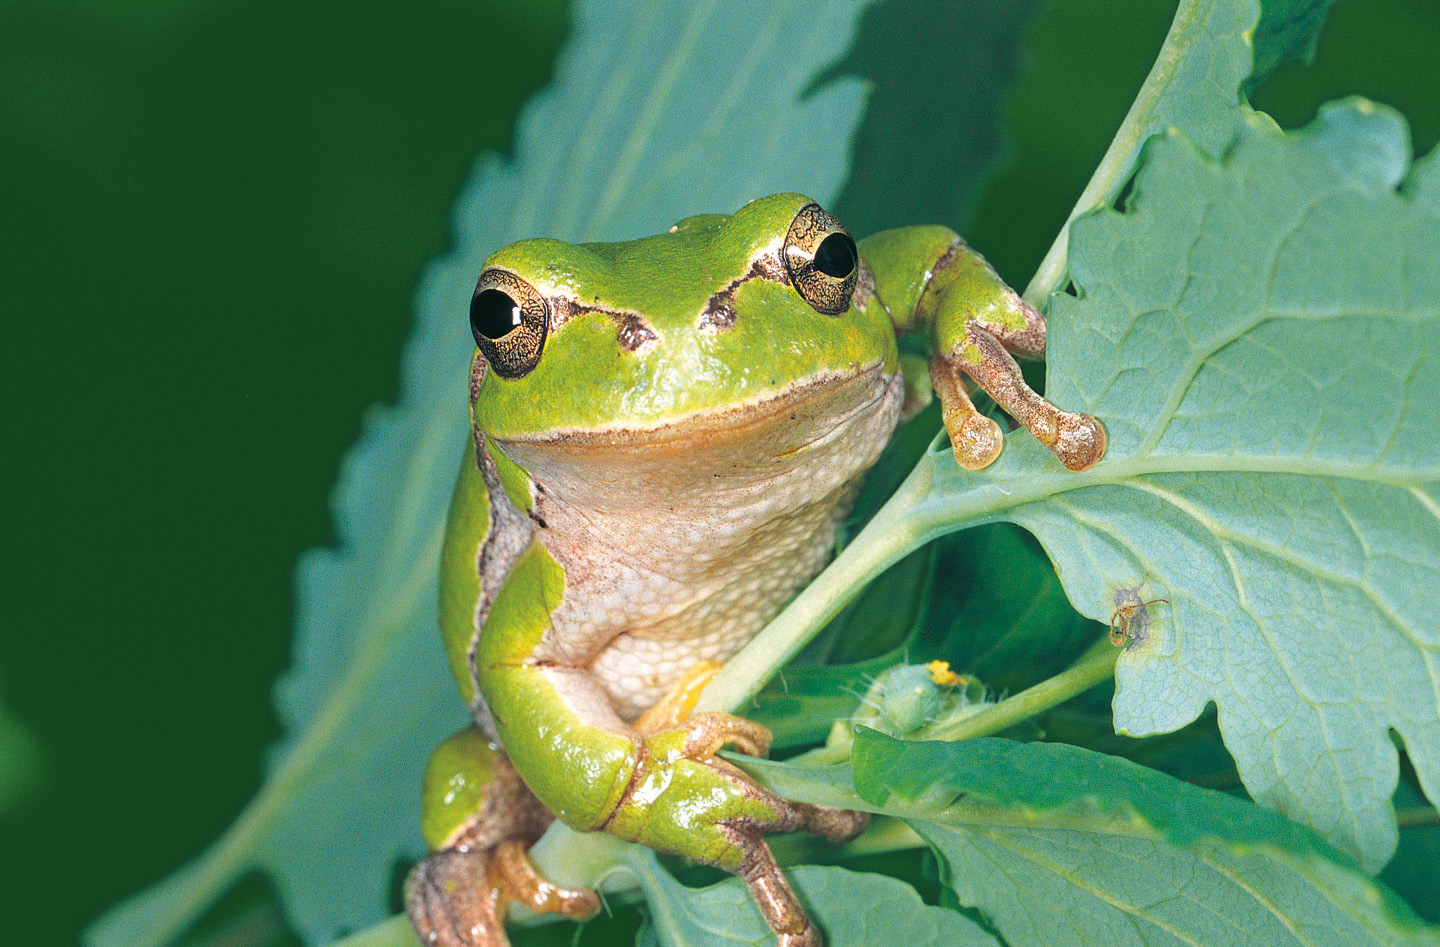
(824, 400)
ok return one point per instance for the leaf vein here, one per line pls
(1228, 537)
(1127, 907)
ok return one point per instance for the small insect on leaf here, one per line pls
(1130, 622)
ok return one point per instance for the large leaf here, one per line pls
(1261, 336)
(1215, 53)
(1062, 846)
(1272, 407)
(645, 124)
(1194, 87)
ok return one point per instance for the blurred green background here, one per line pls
(214, 214)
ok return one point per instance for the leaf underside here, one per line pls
(1261, 336)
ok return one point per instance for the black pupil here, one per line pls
(836, 256)
(493, 314)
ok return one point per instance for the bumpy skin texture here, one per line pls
(658, 463)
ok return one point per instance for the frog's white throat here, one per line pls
(680, 541)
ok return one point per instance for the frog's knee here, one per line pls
(473, 795)
(457, 777)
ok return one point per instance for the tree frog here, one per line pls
(666, 434)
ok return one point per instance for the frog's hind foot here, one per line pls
(767, 884)
(457, 897)
(453, 903)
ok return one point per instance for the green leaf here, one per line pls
(852, 908)
(1271, 405)
(1261, 337)
(645, 124)
(1059, 845)
(1194, 88)
(1216, 53)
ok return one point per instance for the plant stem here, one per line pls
(1094, 667)
(889, 536)
(1115, 167)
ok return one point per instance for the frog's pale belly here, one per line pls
(679, 545)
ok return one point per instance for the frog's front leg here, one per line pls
(702, 737)
(931, 282)
(979, 322)
(685, 800)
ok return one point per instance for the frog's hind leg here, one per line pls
(758, 869)
(457, 896)
(729, 829)
(453, 900)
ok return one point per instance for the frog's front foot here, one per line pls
(1077, 440)
(710, 811)
(762, 875)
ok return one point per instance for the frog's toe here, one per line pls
(975, 440)
(1080, 440)
(457, 897)
(833, 825)
(706, 733)
(773, 895)
(522, 883)
(453, 903)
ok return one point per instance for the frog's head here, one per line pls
(721, 312)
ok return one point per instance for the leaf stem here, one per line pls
(1094, 667)
(889, 536)
(1115, 166)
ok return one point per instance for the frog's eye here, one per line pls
(821, 258)
(509, 319)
